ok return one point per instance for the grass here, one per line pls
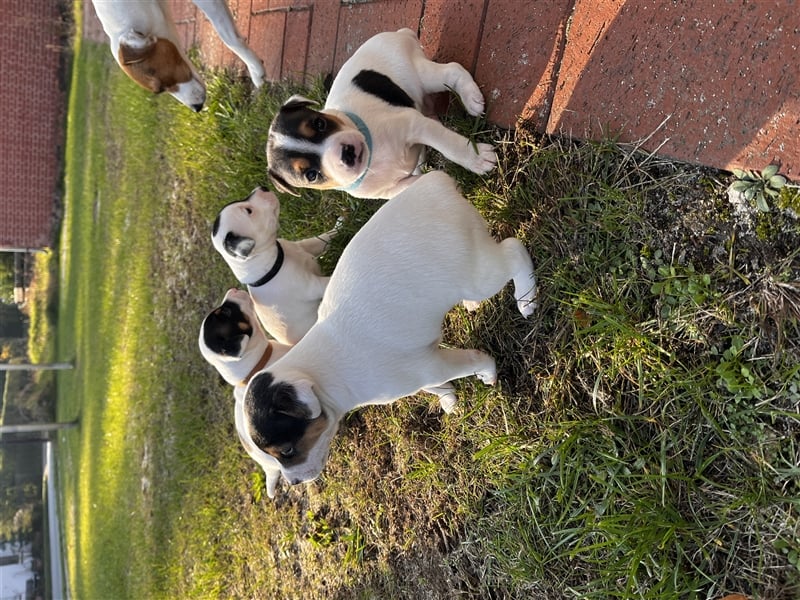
(641, 442)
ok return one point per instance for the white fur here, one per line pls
(286, 305)
(380, 323)
(399, 134)
(138, 22)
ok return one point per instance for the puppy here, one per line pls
(283, 277)
(370, 137)
(231, 340)
(145, 43)
(379, 330)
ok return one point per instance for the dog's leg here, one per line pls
(499, 263)
(447, 396)
(447, 364)
(219, 14)
(438, 77)
(522, 274)
(317, 245)
(478, 158)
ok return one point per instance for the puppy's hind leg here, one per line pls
(447, 364)
(447, 396)
(499, 263)
(522, 273)
(438, 77)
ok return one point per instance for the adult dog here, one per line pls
(379, 330)
(232, 341)
(283, 277)
(370, 137)
(145, 43)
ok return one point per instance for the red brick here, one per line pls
(266, 40)
(518, 57)
(295, 45)
(359, 22)
(720, 72)
(451, 30)
(322, 45)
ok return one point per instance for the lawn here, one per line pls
(641, 442)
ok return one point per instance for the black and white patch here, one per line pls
(381, 86)
(225, 329)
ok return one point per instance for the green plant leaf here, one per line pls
(761, 203)
(776, 182)
(769, 171)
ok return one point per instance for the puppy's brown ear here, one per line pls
(135, 53)
(134, 47)
(280, 184)
(298, 101)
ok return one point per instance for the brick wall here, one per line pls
(32, 107)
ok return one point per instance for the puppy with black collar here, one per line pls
(146, 45)
(233, 342)
(379, 332)
(370, 137)
(283, 277)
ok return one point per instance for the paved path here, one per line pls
(703, 81)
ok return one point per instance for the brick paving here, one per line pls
(714, 83)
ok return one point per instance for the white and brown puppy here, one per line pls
(233, 342)
(380, 323)
(370, 137)
(145, 43)
(283, 277)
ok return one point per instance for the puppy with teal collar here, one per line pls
(370, 137)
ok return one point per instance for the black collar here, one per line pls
(273, 271)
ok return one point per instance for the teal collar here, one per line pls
(362, 127)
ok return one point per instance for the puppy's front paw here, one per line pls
(474, 102)
(484, 160)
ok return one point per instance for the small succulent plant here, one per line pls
(758, 187)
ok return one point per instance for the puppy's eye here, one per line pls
(311, 175)
(319, 124)
(248, 210)
(288, 452)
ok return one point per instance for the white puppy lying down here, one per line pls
(145, 43)
(283, 277)
(232, 341)
(370, 137)
(380, 323)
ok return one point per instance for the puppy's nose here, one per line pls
(348, 154)
(197, 107)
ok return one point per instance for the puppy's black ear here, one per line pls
(281, 184)
(298, 101)
(238, 245)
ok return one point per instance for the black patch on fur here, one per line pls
(382, 87)
(221, 332)
(276, 416)
(233, 244)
